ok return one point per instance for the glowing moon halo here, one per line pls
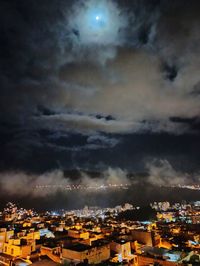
(97, 22)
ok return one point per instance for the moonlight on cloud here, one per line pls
(98, 22)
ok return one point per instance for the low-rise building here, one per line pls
(78, 234)
(4, 237)
(159, 256)
(17, 248)
(89, 254)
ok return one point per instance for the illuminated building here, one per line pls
(149, 238)
(17, 248)
(91, 254)
(78, 234)
(162, 257)
(122, 250)
(4, 237)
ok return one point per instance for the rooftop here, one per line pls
(78, 247)
(168, 255)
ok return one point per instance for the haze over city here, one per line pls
(99, 92)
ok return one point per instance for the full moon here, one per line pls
(97, 21)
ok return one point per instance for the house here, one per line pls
(94, 254)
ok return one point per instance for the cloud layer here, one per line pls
(160, 173)
(86, 66)
(76, 89)
(47, 184)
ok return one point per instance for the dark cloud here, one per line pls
(170, 71)
(193, 123)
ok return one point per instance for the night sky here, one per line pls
(104, 86)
